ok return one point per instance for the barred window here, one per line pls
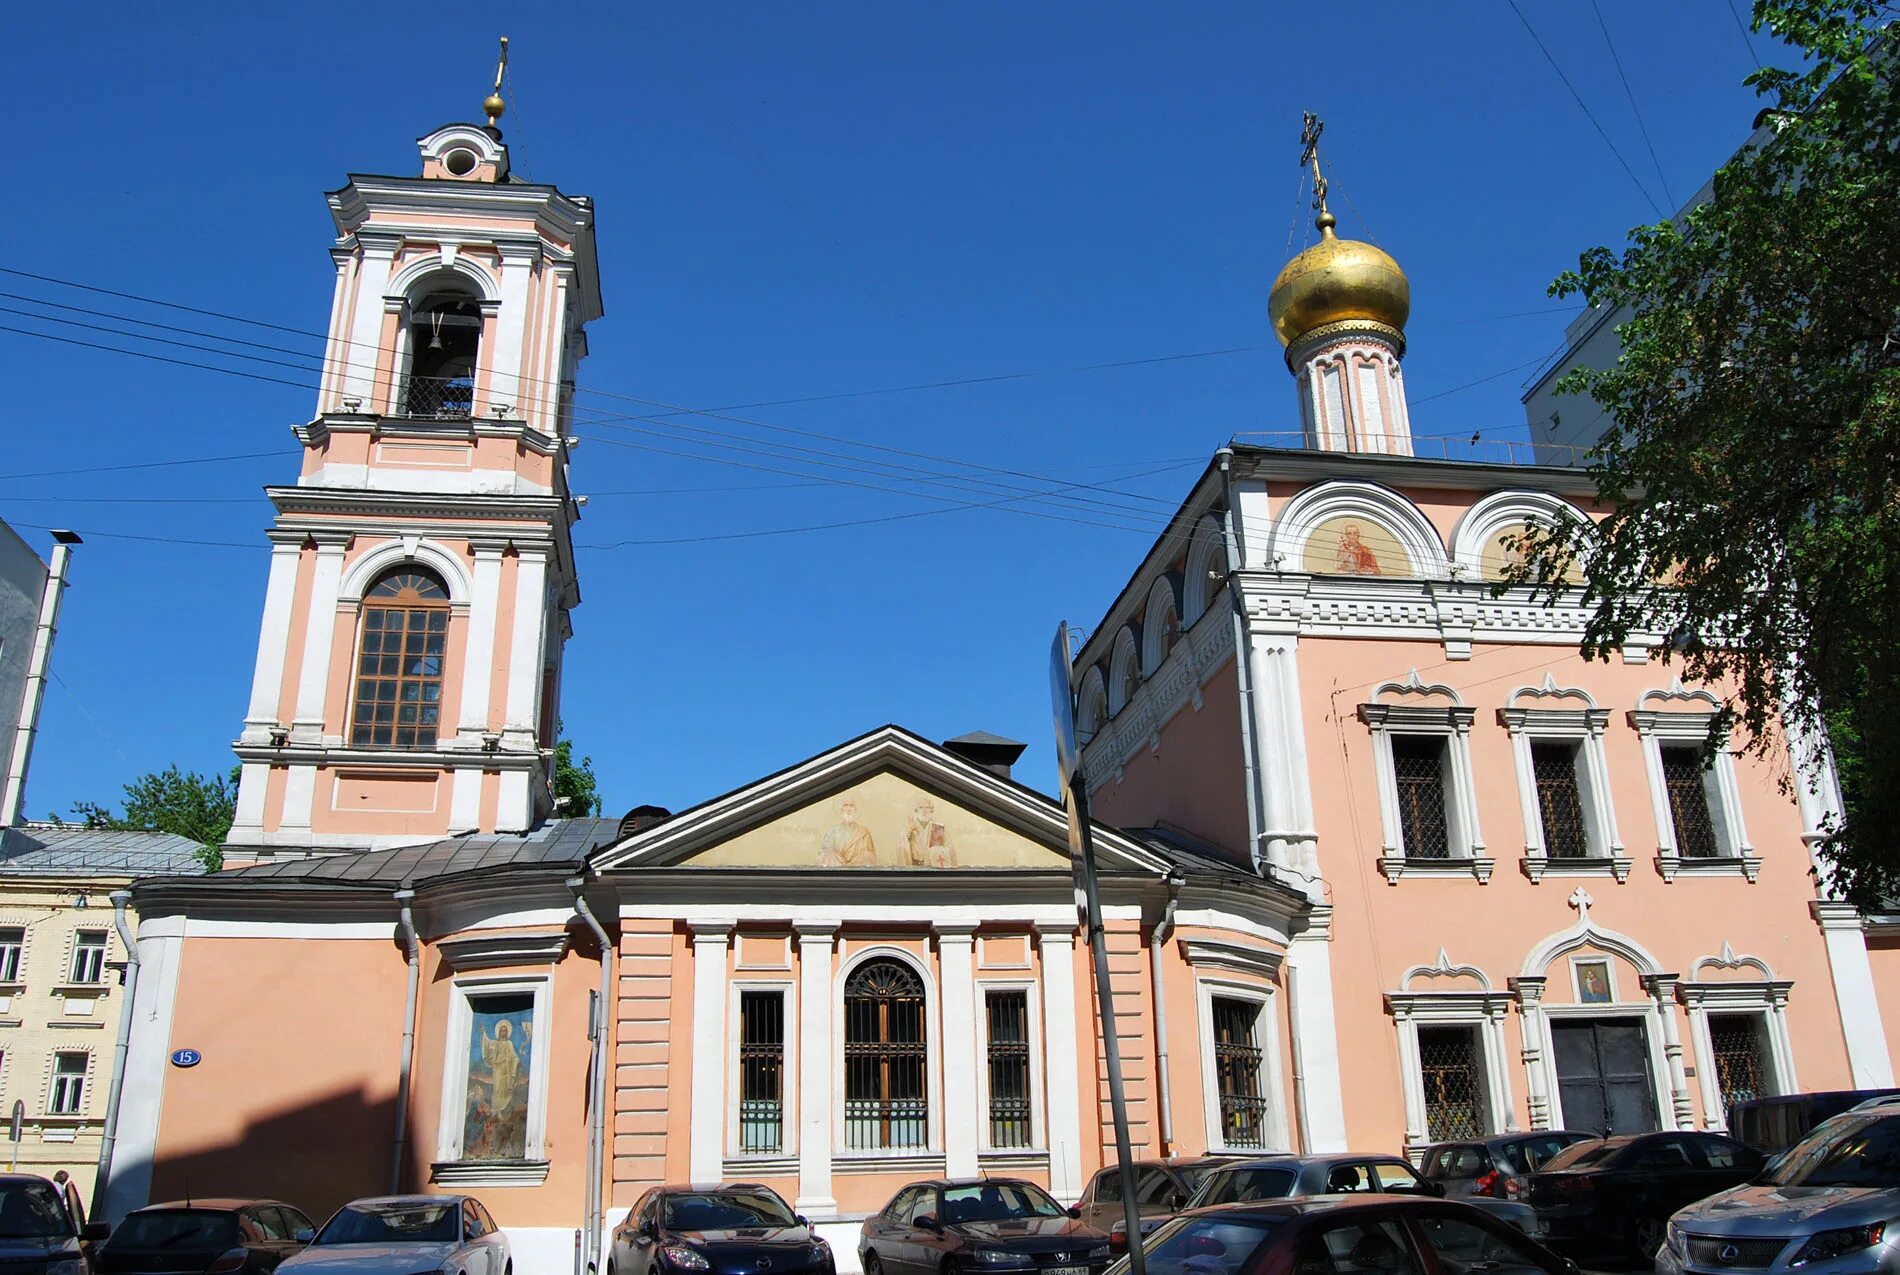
(1684, 781)
(886, 1098)
(1741, 1071)
(12, 946)
(1448, 1065)
(761, 1071)
(89, 956)
(405, 635)
(1418, 767)
(1006, 1014)
(1237, 1063)
(68, 1096)
(1560, 798)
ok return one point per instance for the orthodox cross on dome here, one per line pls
(1309, 154)
(1580, 899)
(493, 106)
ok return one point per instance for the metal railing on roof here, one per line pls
(1486, 451)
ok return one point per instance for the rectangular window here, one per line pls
(1684, 779)
(12, 947)
(761, 1071)
(69, 1084)
(1418, 768)
(1448, 1065)
(1741, 1071)
(399, 677)
(1237, 1060)
(1560, 798)
(1006, 1014)
(89, 956)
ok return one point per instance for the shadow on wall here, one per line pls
(318, 1156)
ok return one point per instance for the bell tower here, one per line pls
(422, 567)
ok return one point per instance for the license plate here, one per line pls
(1067, 1270)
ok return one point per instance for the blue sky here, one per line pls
(794, 201)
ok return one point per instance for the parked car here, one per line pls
(1612, 1197)
(218, 1237)
(1495, 1167)
(1284, 1176)
(1321, 1235)
(1834, 1195)
(43, 1227)
(1771, 1125)
(728, 1229)
(404, 1234)
(995, 1224)
(1162, 1188)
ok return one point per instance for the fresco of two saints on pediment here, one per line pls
(923, 842)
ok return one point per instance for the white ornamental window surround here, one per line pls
(1439, 714)
(1031, 992)
(1566, 719)
(1160, 625)
(1445, 994)
(1319, 504)
(932, 1022)
(1472, 541)
(1681, 721)
(1205, 573)
(13, 951)
(747, 1137)
(1240, 975)
(86, 965)
(1091, 705)
(68, 1082)
(466, 1163)
(1727, 984)
(1124, 672)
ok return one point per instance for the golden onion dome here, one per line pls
(1339, 281)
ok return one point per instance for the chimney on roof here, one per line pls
(991, 752)
(640, 818)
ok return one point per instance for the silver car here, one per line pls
(1830, 1203)
(1281, 1176)
(405, 1234)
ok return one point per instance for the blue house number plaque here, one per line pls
(186, 1058)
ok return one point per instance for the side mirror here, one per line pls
(649, 1229)
(927, 1222)
(1433, 1188)
(1072, 1211)
(1178, 1201)
(801, 1219)
(93, 1232)
(304, 1235)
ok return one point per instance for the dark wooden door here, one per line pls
(1603, 1075)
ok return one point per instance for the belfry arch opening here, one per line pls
(443, 334)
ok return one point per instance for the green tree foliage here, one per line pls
(576, 791)
(199, 807)
(1754, 464)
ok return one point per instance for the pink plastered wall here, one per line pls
(1195, 781)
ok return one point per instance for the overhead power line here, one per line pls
(1635, 110)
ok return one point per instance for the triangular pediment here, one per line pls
(885, 802)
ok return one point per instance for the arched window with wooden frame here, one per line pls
(404, 639)
(886, 1058)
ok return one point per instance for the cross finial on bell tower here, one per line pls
(1309, 154)
(493, 106)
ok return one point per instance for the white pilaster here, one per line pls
(300, 798)
(1498, 1072)
(1059, 1035)
(273, 643)
(816, 1068)
(1662, 989)
(1530, 1010)
(313, 679)
(511, 324)
(147, 1051)
(706, 1142)
(478, 666)
(1286, 802)
(465, 800)
(1846, 940)
(362, 352)
(247, 821)
(1413, 1071)
(961, 1119)
(1323, 1105)
(524, 656)
(1708, 1079)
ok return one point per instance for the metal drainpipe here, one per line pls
(38, 662)
(1243, 660)
(404, 898)
(1157, 942)
(1299, 1059)
(589, 1256)
(109, 1136)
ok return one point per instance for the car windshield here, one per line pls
(726, 1211)
(32, 1211)
(1209, 1245)
(176, 1228)
(1246, 1184)
(996, 1202)
(1586, 1155)
(1852, 1151)
(1195, 1174)
(406, 1223)
(1531, 1154)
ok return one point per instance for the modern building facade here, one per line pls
(30, 594)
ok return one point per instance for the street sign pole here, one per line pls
(15, 1129)
(1089, 908)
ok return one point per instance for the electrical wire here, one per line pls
(1635, 110)
(147, 464)
(1742, 27)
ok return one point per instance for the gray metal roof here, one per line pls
(556, 843)
(61, 850)
(1190, 853)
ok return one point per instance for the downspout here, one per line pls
(404, 899)
(1243, 659)
(1157, 943)
(1299, 1058)
(107, 1139)
(588, 1258)
(38, 663)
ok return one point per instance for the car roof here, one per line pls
(211, 1205)
(709, 1188)
(373, 1202)
(1283, 1158)
(1303, 1205)
(1504, 1139)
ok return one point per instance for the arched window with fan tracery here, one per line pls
(886, 1057)
(405, 634)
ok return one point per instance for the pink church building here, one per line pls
(1384, 860)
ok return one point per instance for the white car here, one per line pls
(404, 1235)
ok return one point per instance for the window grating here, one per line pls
(1007, 1014)
(1237, 1059)
(1735, 1040)
(1689, 803)
(399, 664)
(761, 1071)
(1559, 800)
(1448, 1064)
(885, 1095)
(1418, 768)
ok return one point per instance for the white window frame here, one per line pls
(787, 988)
(1451, 723)
(54, 1076)
(1267, 1029)
(1659, 728)
(1038, 1135)
(1477, 1005)
(1582, 726)
(1765, 995)
(461, 1022)
(19, 965)
(80, 950)
(932, 1149)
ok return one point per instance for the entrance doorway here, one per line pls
(1603, 1075)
